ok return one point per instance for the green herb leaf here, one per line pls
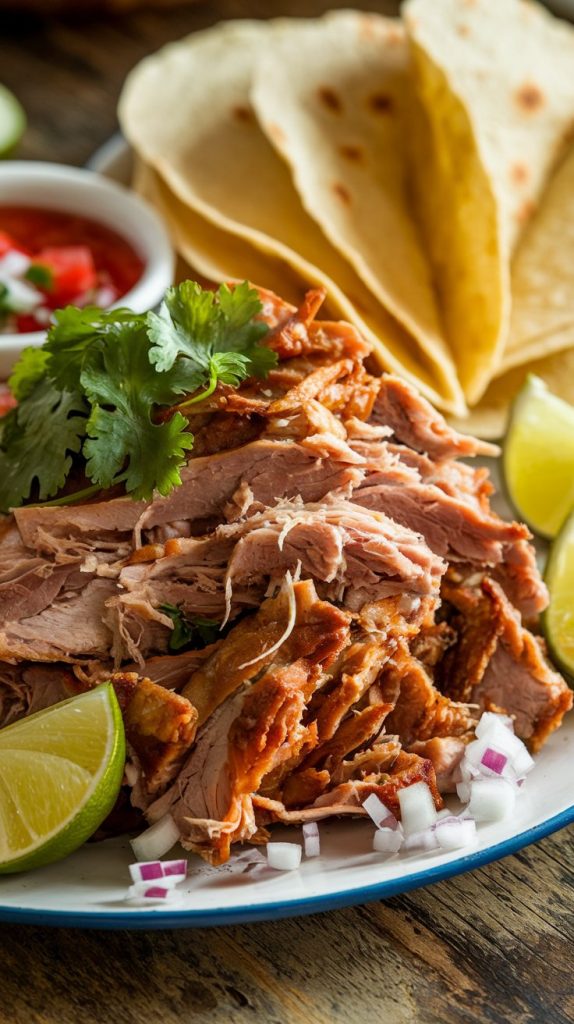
(122, 388)
(192, 631)
(28, 371)
(78, 335)
(40, 275)
(198, 324)
(41, 434)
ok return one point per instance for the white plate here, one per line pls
(88, 888)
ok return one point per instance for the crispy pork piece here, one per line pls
(250, 698)
(420, 711)
(160, 727)
(497, 661)
(445, 753)
(319, 633)
(415, 423)
(299, 334)
(348, 797)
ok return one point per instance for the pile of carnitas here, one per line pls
(371, 603)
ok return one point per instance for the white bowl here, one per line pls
(74, 190)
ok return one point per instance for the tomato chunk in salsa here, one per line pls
(50, 259)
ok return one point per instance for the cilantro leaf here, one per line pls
(122, 388)
(28, 371)
(193, 630)
(41, 275)
(198, 324)
(78, 334)
(45, 429)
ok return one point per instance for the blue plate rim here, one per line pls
(247, 913)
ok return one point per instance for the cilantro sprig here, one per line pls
(190, 631)
(103, 389)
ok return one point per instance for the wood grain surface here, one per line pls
(493, 947)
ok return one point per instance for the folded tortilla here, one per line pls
(187, 113)
(495, 89)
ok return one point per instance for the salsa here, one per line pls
(50, 259)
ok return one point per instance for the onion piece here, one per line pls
(311, 840)
(455, 833)
(417, 808)
(493, 761)
(424, 840)
(387, 840)
(283, 856)
(145, 893)
(491, 799)
(156, 840)
(491, 719)
(172, 871)
(379, 813)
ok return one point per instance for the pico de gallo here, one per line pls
(50, 259)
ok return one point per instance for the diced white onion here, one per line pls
(417, 808)
(463, 791)
(379, 813)
(491, 799)
(455, 833)
(387, 840)
(490, 719)
(311, 839)
(283, 856)
(14, 263)
(21, 297)
(421, 841)
(156, 840)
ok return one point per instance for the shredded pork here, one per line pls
(369, 602)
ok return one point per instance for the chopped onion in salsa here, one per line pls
(50, 259)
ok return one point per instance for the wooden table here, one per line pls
(494, 947)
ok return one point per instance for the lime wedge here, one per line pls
(12, 121)
(558, 619)
(538, 457)
(60, 773)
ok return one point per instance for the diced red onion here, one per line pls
(145, 893)
(491, 799)
(311, 839)
(455, 833)
(379, 813)
(171, 871)
(494, 761)
(283, 856)
(156, 840)
(418, 811)
(387, 840)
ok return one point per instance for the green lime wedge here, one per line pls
(12, 121)
(558, 619)
(538, 457)
(60, 773)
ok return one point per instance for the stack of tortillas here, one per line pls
(421, 170)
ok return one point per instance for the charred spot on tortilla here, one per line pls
(276, 133)
(525, 211)
(519, 174)
(242, 113)
(463, 30)
(394, 37)
(352, 153)
(529, 97)
(342, 192)
(381, 103)
(330, 99)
